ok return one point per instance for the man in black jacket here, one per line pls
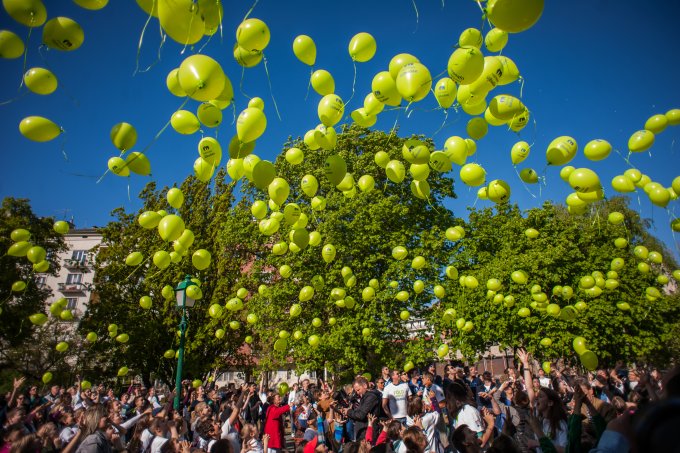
(369, 403)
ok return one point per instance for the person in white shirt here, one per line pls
(395, 398)
(432, 391)
(427, 420)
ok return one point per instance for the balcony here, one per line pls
(81, 265)
(70, 288)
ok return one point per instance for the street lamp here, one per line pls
(183, 302)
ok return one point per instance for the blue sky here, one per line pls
(592, 69)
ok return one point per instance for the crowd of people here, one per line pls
(459, 410)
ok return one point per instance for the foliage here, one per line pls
(120, 287)
(363, 228)
(25, 348)
(568, 247)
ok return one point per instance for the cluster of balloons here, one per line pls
(59, 33)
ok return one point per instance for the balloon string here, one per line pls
(625, 159)
(207, 41)
(446, 116)
(271, 91)
(63, 144)
(354, 81)
(138, 266)
(250, 10)
(243, 74)
(25, 62)
(9, 101)
(521, 86)
(139, 44)
(191, 21)
(309, 84)
(163, 128)
(445, 72)
(394, 127)
(417, 15)
(128, 190)
(233, 113)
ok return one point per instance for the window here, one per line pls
(71, 303)
(72, 279)
(79, 256)
(40, 281)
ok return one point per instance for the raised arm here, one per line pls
(523, 356)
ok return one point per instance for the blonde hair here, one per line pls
(93, 416)
(249, 430)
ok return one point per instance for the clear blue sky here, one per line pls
(593, 69)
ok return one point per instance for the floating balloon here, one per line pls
(247, 58)
(31, 13)
(561, 150)
(414, 82)
(466, 65)
(335, 169)
(253, 34)
(62, 33)
(38, 319)
(61, 227)
(328, 253)
(395, 171)
(472, 175)
(528, 175)
(181, 20)
(514, 16)
(623, 184)
(445, 92)
(385, 89)
(362, 47)
(250, 124)
(184, 122)
(322, 82)
(279, 190)
(209, 114)
(495, 40)
(11, 45)
(477, 128)
(39, 129)
(201, 78)
(584, 180)
(640, 141)
(498, 191)
(40, 80)
(330, 109)
(304, 49)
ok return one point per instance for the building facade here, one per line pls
(75, 278)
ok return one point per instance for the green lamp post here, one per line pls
(183, 302)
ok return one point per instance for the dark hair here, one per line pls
(204, 428)
(394, 430)
(456, 397)
(457, 438)
(221, 446)
(414, 440)
(415, 407)
(556, 412)
(504, 444)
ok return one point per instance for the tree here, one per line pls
(119, 288)
(567, 248)
(363, 227)
(24, 347)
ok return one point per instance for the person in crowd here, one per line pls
(368, 403)
(395, 398)
(274, 426)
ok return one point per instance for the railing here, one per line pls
(76, 264)
(72, 287)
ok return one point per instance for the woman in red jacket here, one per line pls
(273, 424)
